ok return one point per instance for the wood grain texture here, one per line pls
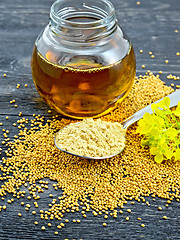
(151, 27)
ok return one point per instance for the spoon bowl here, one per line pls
(87, 157)
(174, 97)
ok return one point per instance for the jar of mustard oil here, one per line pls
(83, 64)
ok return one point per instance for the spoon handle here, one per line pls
(174, 97)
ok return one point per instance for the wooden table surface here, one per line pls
(151, 27)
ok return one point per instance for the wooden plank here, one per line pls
(151, 27)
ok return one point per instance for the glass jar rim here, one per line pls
(105, 16)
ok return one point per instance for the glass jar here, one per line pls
(83, 64)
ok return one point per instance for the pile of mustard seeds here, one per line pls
(98, 185)
(92, 138)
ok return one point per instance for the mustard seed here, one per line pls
(34, 157)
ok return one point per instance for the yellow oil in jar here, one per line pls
(83, 87)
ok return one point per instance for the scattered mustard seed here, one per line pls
(105, 177)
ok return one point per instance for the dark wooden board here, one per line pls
(151, 27)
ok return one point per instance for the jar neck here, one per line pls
(83, 21)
